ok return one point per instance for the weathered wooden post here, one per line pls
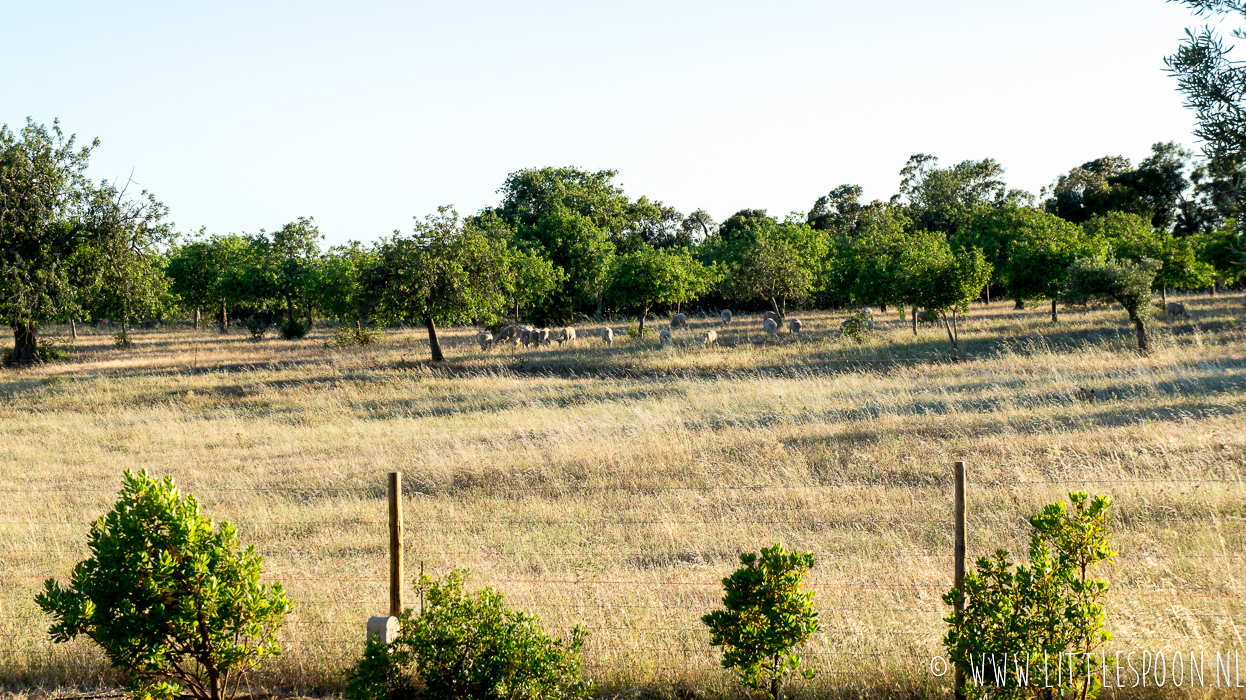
(386, 628)
(959, 578)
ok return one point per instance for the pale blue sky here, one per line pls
(242, 116)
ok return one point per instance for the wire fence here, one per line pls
(637, 566)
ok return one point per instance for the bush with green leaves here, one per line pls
(469, 645)
(1114, 281)
(358, 335)
(173, 602)
(257, 327)
(1033, 617)
(767, 614)
(292, 329)
(857, 326)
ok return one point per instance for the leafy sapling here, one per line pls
(767, 614)
(173, 601)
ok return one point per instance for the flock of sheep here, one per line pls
(529, 336)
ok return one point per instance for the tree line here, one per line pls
(564, 243)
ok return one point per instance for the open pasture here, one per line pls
(613, 487)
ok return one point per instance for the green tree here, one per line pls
(1224, 250)
(1039, 254)
(762, 258)
(43, 195)
(945, 282)
(535, 280)
(1213, 83)
(1027, 617)
(190, 275)
(944, 199)
(652, 276)
(766, 615)
(448, 272)
(170, 600)
(334, 290)
(288, 259)
(1131, 237)
(1114, 281)
(867, 266)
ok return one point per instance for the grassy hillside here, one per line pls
(614, 487)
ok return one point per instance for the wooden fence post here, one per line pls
(395, 543)
(958, 469)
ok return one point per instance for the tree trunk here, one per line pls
(882, 308)
(1020, 304)
(774, 681)
(1140, 329)
(289, 310)
(952, 335)
(783, 308)
(214, 683)
(1213, 288)
(775, 305)
(198, 315)
(1163, 294)
(224, 317)
(1054, 318)
(516, 313)
(643, 315)
(432, 340)
(914, 310)
(73, 329)
(988, 293)
(25, 344)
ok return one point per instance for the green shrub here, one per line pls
(291, 330)
(50, 350)
(1029, 617)
(257, 327)
(633, 329)
(767, 615)
(469, 645)
(178, 607)
(359, 335)
(857, 326)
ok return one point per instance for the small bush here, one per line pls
(358, 335)
(633, 329)
(50, 350)
(292, 330)
(469, 645)
(175, 605)
(1033, 614)
(856, 327)
(257, 327)
(767, 614)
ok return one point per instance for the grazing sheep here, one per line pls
(486, 340)
(708, 338)
(664, 338)
(772, 328)
(924, 316)
(679, 320)
(869, 317)
(543, 336)
(607, 336)
(1176, 308)
(726, 316)
(793, 326)
(772, 316)
(507, 333)
(527, 336)
(566, 335)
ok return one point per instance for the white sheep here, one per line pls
(527, 336)
(726, 316)
(1176, 308)
(869, 317)
(772, 316)
(486, 340)
(924, 316)
(679, 320)
(664, 338)
(607, 336)
(708, 338)
(793, 326)
(543, 336)
(772, 328)
(566, 335)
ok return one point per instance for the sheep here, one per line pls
(566, 335)
(793, 326)
(507, 333)
(772, 316)
(664, 338)
(772, 328)
(726, 316)
(924, 315)
(1176, 308)
(679, 320)
(607, 336)
(869, 317)
(486, 340)
(527, 336)
(708, 338)
(543, 336)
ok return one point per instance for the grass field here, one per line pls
(614, 487)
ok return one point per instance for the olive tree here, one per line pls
(1114, 281)
(447, 272)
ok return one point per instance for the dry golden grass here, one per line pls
(614, 487)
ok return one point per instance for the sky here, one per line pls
(245, 116)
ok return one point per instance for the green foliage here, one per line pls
(1040, 252)
(1225, 251)
(294, 328)
(174, 603)
(856, 327)
(652, 276)
(1212, 81)
(470, 645)
(767, 614)
(1032, 615)
(357, 335)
